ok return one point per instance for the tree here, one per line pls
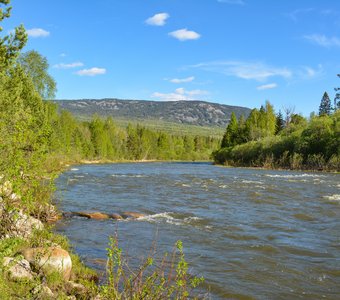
(325, 105)
(230, 136)
(337, 98)
(36, 66)
(279, 122)
(10, 45)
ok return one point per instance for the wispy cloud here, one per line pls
(258, 71)
(37, 32)
(62, 55)
(185, 34)
(182, 80)
(158, 19)
(69, 66)
(91, 72)
(267, 86)
(180, 94)
(237, 2)
(295, 14)
(306, 72)
(323, 40)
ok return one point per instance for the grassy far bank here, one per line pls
(266, 140)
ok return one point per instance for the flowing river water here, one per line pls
(252, 234)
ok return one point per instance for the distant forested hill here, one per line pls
(197, 113)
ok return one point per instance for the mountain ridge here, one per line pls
(193, 112)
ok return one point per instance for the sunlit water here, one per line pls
(253, 234)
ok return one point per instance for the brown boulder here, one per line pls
(115, 216)
(92, 215)
(50, 259)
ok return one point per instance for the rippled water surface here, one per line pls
(253, 234)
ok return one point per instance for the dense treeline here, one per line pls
(269, 140)
(102, 139)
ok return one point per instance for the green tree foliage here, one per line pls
(10, 45)
(36, 66)
(301, 144)
(325, 107)
(259, 124)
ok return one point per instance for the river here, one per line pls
(252, 234)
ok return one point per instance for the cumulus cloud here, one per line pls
(237, 2)
(182, 80)
(69, 66)
(37, 32)
(91, 72)
(267, 86)
(158, 19)
(185, 34)
(180, 94)
(258, 71)
(323, 40)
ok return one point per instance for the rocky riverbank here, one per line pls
(33, 264)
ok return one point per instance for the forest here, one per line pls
(270, 140)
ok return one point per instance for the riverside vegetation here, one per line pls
(37, 141)
(268, 140)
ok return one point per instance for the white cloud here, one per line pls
(237, 2)
(69, 66)
(185, 34)
(182, 80)
(323, 41)
(180, 94)
(37, 32)
(91, 72)
(158, 19)
(258, 71)
(62, 55)
(267, 86)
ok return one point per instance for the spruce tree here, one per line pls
(279, 122)
(337, 97)
(325, 105)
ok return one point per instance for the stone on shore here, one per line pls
(17, 269)
(22, 225)
(50, 259)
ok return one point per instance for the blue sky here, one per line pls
(235, 52)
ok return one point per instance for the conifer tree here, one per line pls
(337, 97)
(325, 105)
(279, 122)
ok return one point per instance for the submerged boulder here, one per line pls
(50, 259)
(116, 216)
(92, 215)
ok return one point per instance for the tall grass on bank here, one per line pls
(168, 280)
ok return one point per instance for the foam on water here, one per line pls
(294, 176)
(335, 197)
(129, 175)
(74, 169)
(167, 217)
